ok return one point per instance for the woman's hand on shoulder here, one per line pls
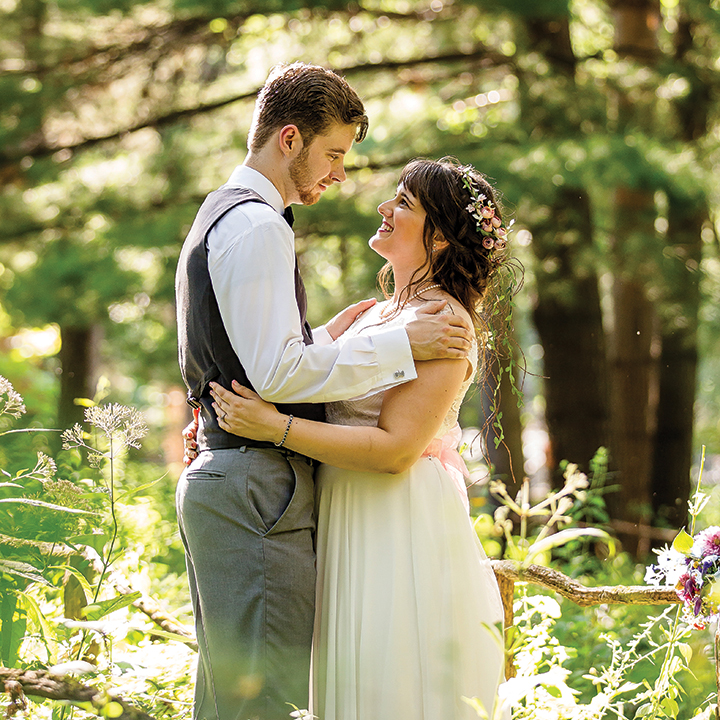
(345, 318)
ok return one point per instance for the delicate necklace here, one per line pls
(421, 291)
(391, 309)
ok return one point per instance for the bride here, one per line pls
(408, 610)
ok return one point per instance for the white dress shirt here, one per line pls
(251, 259)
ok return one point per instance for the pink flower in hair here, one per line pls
(482, 210)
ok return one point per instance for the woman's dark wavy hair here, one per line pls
(483, 281)
(464, 267)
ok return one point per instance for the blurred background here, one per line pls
(597, 121)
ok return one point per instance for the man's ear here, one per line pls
(290, 141)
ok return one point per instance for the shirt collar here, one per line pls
(244, 176)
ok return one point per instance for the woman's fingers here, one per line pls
(244, 391)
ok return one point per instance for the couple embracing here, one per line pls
(327, 535)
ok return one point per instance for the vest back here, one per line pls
(204, 348)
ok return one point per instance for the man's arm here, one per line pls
(252, 272)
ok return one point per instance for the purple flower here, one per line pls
(697, 608)
(488, 242)
(707, 542)
(686, 588)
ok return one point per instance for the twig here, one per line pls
(579, 593)
(40, 683)
(157, 614)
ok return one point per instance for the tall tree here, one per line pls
(567, 310)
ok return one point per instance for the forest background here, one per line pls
(598, 122)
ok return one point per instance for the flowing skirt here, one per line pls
(408, 612)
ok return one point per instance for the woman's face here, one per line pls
(399, 239)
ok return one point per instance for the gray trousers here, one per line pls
(247, 523)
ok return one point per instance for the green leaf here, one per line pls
(670, 707)
(38, 620)
(562, 537)
(628, 687)
(682, 543)
(157, 632)
(23, 570)
(13, 630)
(130, 493)
(49, 506)
(78, 576)
(686, 651)
(100, 609)
(94, 540)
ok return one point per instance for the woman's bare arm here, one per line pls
(410, 417)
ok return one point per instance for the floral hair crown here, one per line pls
(489, 224)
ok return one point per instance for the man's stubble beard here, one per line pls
(300, 176)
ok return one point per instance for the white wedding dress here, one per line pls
(408, 611)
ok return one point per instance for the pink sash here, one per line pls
(445, 449)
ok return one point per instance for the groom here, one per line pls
(245, 508)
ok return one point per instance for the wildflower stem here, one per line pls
(717, 659)
(111, 487)
(664, 678)
(697, 492)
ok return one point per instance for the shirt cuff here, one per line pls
(321, 336)
(394, 356)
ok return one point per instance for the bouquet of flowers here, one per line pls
(692, 568)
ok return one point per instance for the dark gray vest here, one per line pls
(205, 351)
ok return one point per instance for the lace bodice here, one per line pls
(366, 410)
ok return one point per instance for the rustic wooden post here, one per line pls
(507, 593)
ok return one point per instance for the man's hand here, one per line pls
(345, 318)
(435, 335)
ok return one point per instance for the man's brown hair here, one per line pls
(308, 96)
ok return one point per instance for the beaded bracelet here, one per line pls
(287, 430)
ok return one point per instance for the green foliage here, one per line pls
(642, 664)
(58, 539)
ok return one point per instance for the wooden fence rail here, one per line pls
(508, 573)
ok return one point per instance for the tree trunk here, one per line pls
(78, 361)
(568, 319)
(678, 362)
(636, 340)
(633, 402)
(567, 314)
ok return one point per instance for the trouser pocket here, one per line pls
(280, 492)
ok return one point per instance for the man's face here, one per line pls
(320, 164)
